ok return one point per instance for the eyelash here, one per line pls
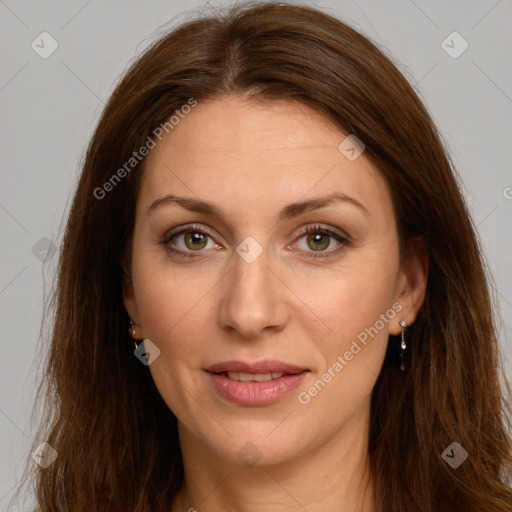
(192, 228)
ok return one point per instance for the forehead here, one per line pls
(231, 150)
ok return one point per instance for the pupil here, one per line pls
(195, 239)
(319, 240)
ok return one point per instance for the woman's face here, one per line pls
(277, 261)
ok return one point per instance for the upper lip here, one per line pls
(265, 366)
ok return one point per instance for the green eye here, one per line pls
(195, 240)
(317, 239)
(188, 242)
(315, 242)
(318, 242)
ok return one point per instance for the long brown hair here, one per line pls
(116, 439)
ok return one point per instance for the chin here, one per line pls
(256, 443)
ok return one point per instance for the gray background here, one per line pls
(50, 107)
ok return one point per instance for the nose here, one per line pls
(253, 298)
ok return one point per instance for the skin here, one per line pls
(251, 160)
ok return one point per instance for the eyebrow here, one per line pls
(289, 211)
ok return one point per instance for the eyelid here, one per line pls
(322, 227)
(188, 227)
(180, 230)
(342, 238)
(307, 228)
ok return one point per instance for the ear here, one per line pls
(129, 301)
(411, 283)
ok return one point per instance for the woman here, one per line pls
(271, 295)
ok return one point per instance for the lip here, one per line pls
(253, 394)
(265, 366)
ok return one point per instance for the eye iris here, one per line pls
(195, 238)
(318, 238)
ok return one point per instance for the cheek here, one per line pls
(355, 306)
(178, 315)
(174, 317)
(170, 296)
(352, 300)
(357, 309)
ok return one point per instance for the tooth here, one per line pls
(252, 377)
(261, 377)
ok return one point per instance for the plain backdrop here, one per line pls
(49, 107)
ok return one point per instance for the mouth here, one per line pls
(255, 383)
(265, 367)
(252, 377)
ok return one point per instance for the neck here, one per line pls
(332, 477)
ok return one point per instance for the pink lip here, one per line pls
(265, 366)
(256, 393)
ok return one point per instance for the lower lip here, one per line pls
(256, 393)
